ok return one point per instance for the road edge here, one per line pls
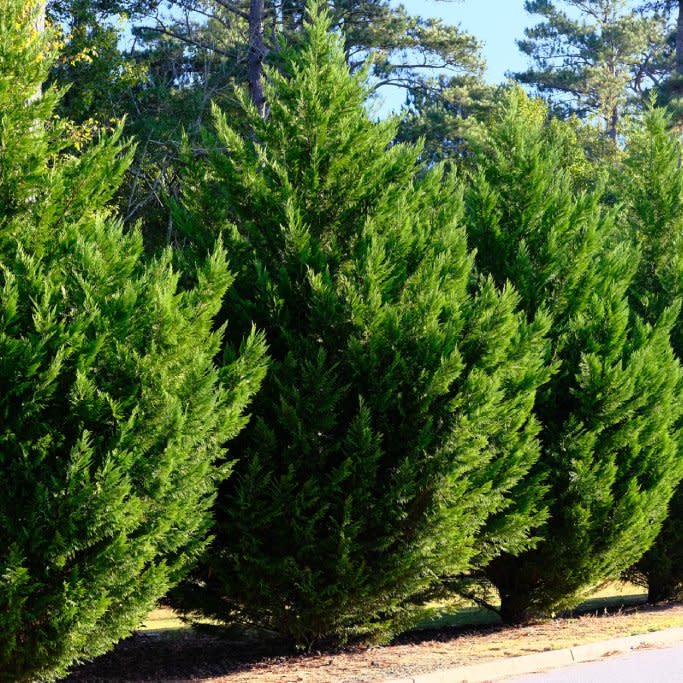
(498, 669)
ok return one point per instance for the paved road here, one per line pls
(644, 666)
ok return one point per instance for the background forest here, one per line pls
(297, 365)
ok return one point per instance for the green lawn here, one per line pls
(458, 612)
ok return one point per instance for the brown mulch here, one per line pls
(190, 656)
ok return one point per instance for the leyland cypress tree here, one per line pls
(113, 416)
(652, 192)
(608, 416)
(394, 423)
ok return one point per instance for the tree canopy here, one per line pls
(596, 58)
(114, 415)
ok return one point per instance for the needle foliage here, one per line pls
(393, 435)
(651, 189)
(113, 414)
(609, 414)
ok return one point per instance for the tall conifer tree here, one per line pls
(596, 58)
(113, 416)
(393, 435)
(652, 192)
(609, 449)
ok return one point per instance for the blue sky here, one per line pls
(495, 23)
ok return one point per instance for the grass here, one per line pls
(163, 619)
(460, 612)
(455, 613)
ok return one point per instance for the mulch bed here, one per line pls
(175, 656)
(184, 656)
(190, 656)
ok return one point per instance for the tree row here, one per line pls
(360, 381)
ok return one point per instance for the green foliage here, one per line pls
(651, 188)
(595, 58)
(107, 78)
(406, 49)
(186, 54)
(442, 116)
(99, 77)
(392, 438)
(113, 415)
(609, 449)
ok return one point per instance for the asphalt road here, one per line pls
(643, 666)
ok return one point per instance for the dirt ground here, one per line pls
(183, 655)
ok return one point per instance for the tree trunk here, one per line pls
(613, 124)
(515, 607)
(40, 27)
(679, 40)
(662, 586)
(257, 51)
(516, 588)
(40, 18)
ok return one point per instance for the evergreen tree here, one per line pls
(609, 450)
(595, 57)
(113, 416)
(670, 88)
(392, 438)
(652, 192)
(441, 117)
(187, 53)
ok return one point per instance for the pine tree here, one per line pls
(113, 415)
(596, 57)
(187, 53)
(441, 116)
(652, 193)
(392, 437)
(609, 450)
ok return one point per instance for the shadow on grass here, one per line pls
(173, 655)
(468, 620)
(607, 605)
